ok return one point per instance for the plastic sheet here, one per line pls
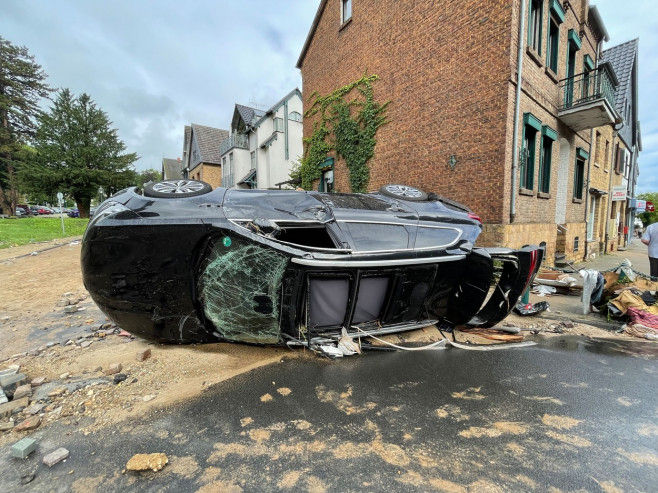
(531, 308)
(239, 290)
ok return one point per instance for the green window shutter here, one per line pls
(532, 120)
(574, 39)
(548, 132)
(557, 11)
(582, 153)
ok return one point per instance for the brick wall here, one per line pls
(449, 70)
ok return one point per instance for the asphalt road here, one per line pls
(569, 414)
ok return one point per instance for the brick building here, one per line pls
(201, 154)
(460, 124)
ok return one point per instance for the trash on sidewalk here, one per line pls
(543, 290)
(531, 308)
(557, 279)
(593, 283)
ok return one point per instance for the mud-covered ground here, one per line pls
(74, 350)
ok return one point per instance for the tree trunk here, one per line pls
(5, 203)
(83, 208)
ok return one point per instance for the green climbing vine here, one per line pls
(347, 126)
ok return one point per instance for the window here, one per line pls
(553, 45)
(548, 137)
(253, 159)
(534, 29)
(597, 150)
(295, 116)
(579, 173)
(555, 18)
(528, 154)
(345, 11)
(575, 243)
(606, 158)
(278, 124)
(617, 159)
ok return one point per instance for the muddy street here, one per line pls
(576, 411)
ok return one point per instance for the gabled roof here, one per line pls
(622, 58)
(278, 105)
(208, 140)
(249, 115)
(311, 32)
(172, 169)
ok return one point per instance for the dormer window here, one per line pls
(345, 11)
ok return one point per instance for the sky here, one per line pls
(156, 66)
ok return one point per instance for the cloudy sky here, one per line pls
(155, 66)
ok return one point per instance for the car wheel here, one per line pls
(176, 188)
(403, 192)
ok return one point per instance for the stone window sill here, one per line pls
(542, 195)
(577, 201)
(535, 57)
(551, 75)
(345, 24)
(525, 191)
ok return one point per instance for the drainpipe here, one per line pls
(517, 110)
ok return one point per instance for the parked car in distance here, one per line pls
(74, 213)
(34, 210)
(43, 210)
(24, 209)
(180, 262)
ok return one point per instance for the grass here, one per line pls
(26, 230)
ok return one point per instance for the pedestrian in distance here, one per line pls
(650, 238)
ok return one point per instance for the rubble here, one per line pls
(30, 423)
(9, 383)
(55, 457)
(113, 369)
(23, 391)
(145, 462)
(7, 408)
(36, 382)
(23, 448)
(144, 354)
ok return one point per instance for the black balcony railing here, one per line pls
(587, 87)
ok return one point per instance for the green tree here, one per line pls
(147, 176)
(649, 217)
(21, 88)
(79, 152)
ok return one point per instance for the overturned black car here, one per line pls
(182, 263)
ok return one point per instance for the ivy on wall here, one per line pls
(348, 121)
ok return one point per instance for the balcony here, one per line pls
(240, 141)
(587, 100)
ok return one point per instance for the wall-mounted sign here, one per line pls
(619, 193)
(640, 206)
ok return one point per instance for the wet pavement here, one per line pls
(570, 413)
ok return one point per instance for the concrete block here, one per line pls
(8, 407)
(12, 370)
(144, 355)
(10, 382)
(56, 456)
(23, 391)
(23, 448)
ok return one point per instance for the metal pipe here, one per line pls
(517, 109)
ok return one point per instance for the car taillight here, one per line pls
(474, 216)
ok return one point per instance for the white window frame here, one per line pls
(278, 124)
(345, 11)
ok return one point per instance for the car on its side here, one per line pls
(180, 262)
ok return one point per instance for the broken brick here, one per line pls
(30, 423)
(56, 456)
(144, 354)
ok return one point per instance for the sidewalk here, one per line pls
(570, 306)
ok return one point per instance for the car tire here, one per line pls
(403, 192)
(169, 189)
